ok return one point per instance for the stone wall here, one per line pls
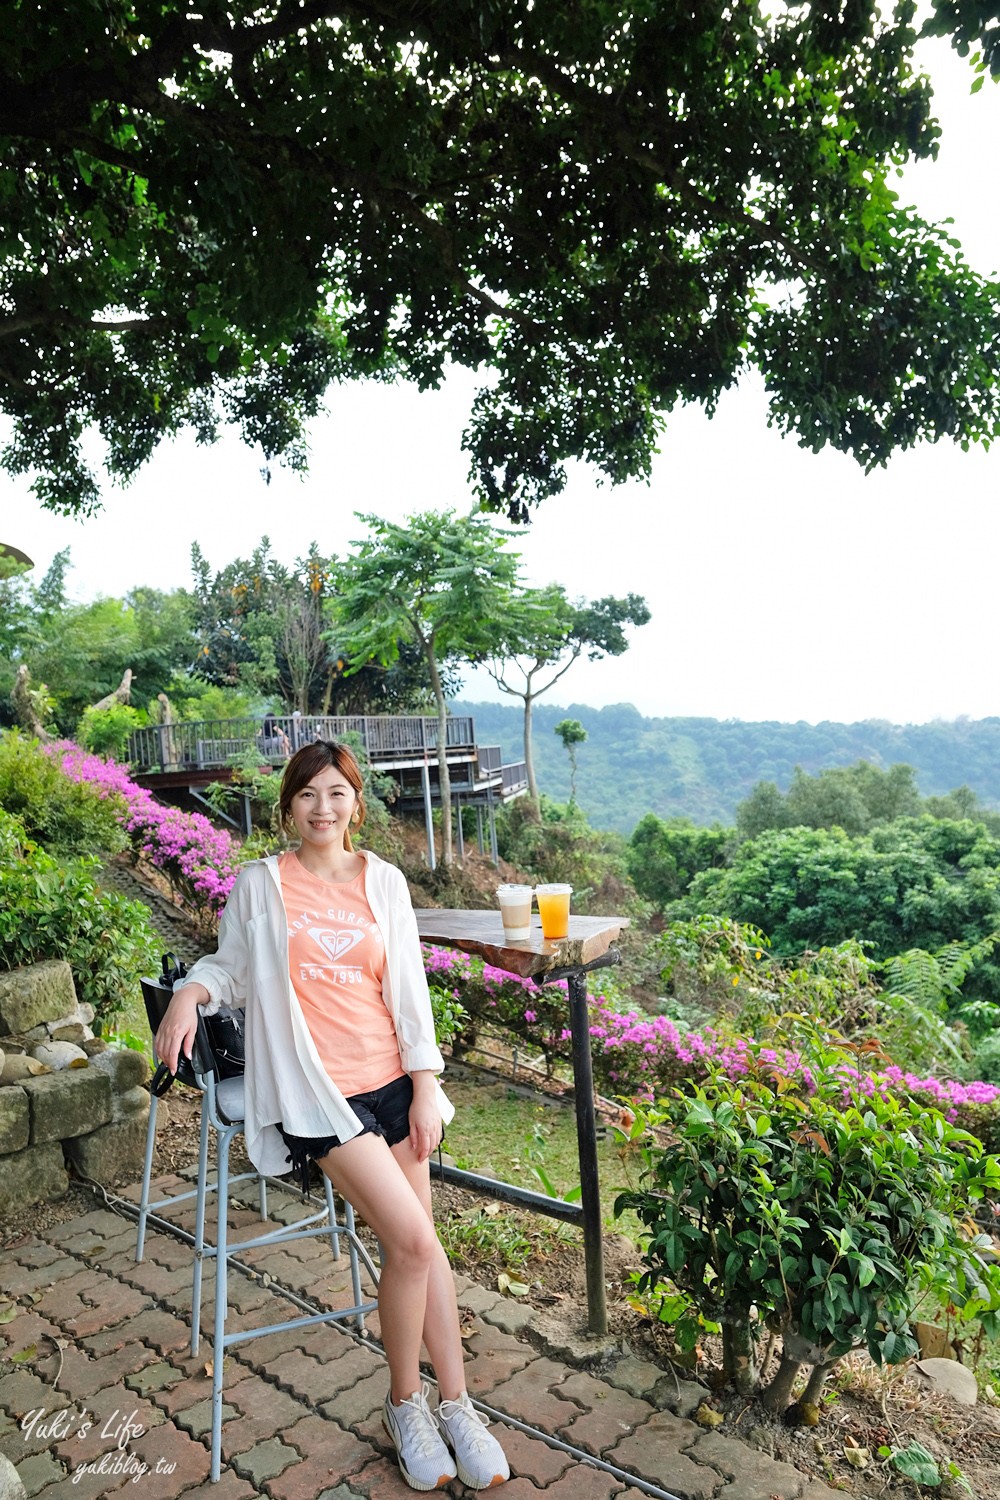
(67, 1099)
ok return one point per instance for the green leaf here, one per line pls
(916, 1463)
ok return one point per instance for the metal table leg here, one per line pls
(586, 1136)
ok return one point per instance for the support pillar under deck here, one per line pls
(428, 817)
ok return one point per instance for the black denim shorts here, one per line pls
(384, 1112)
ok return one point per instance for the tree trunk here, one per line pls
(529, 762)
(24, 709)
(816, 1382)
(777, 1396)
(737, 1356)
(328, 691)
(121, 694)
(444, 776)
(168, 748)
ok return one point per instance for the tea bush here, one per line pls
(54, 910)
(822, 1221)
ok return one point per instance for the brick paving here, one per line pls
(100, 1395)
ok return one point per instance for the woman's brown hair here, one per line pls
(309, 762)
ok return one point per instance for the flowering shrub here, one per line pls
(199, 860)
(494, 997)
(639, 1054)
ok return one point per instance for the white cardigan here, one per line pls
(285, 1079)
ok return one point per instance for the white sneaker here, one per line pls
(481, 1460)
(424, 1460)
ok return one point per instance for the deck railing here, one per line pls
(514, 777)
(207, 743)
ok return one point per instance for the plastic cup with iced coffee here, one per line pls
(553, 908)
(515, 911)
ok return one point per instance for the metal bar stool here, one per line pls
(222, 1111)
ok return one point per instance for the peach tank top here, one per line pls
(336, 958)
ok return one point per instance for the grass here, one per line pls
(498, 1130)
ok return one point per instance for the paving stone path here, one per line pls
(97, 1381)
(173, 929)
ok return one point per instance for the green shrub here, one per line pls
(449, 1014)
(822, 1222)
(986, 1064)
(53, 910)
(555, 842)
(663, 857)
(105, 731)
(67, 817)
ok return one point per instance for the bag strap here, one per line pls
(161, 1081)
(171, 969)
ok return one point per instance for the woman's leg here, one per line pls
(479, 1458)
(365, 1171)
(441, 1332)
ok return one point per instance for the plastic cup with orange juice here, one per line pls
(553, 909)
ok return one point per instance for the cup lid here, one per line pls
(554, 890)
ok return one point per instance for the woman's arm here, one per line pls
(225, 973)
(176, 1032)
(219, 978)
(418, 1046)
(425, 1115)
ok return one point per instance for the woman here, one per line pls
(320, 945)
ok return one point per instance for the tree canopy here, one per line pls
(554, 633)
(913, 883)
(76, 653)
(211, 215)
(854, 798)
(442, 582)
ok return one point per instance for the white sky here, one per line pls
(783, 585)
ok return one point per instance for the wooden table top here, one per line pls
(481, 933)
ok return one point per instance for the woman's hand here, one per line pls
(176, 1033)
(425, 1116)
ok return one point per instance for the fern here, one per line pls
(919, 988)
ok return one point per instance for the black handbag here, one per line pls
(219, 1045)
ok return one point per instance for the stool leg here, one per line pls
(199, 1230)
(147, 1172)
(352, 1252)
(332, 1211)
(221, 1303)
(262, 1194)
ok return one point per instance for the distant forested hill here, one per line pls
(701, 768)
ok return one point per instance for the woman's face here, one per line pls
(323, 808)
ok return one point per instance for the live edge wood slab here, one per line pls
(481, 933)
